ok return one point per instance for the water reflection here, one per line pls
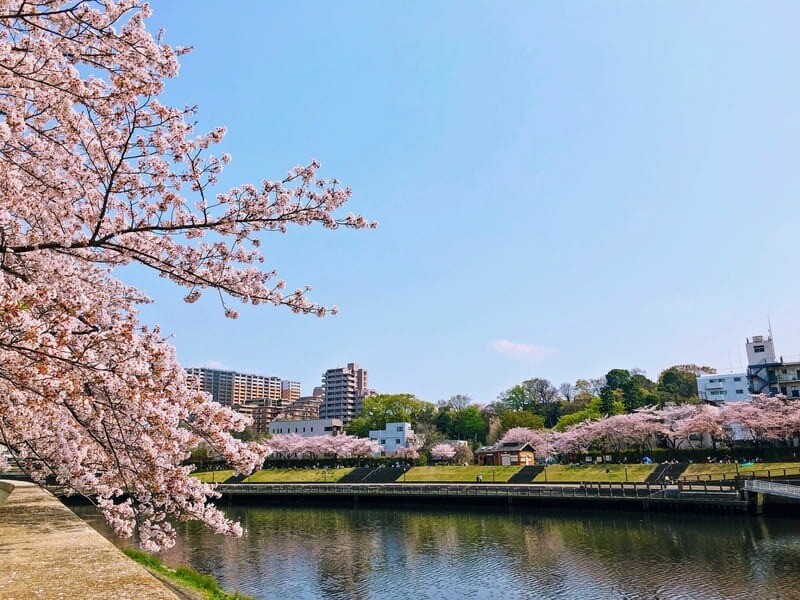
(344, 553)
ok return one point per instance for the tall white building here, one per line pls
(345, 389)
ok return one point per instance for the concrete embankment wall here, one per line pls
(606, 496)
(48, 552)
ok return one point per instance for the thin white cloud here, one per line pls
(214, 364)
(519, 351)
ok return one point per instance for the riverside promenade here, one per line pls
(46, 552)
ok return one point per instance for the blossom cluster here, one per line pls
(444, 451)
(292, 445)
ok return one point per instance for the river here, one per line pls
(353, 553)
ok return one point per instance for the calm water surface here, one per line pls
(354, 553)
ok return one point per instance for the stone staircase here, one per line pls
(357, 475)
(384, 475)
(526, 474)
(662, 472)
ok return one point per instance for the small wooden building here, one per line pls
(506, 454)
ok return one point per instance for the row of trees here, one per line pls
(764, 420)
(619, 391)
(533, 404)
(292, 445)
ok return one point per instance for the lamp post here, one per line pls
(626, 473)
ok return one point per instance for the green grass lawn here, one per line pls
(298, 475)
(183, 578)
(595, 473)
(717, 471)
(455, 474)
(213, 476)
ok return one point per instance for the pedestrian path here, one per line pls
(47, 552)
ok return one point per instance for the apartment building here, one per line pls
(290, 391)
(718, 388)
(305, 407)
(260, 397)
(344, 389)
(232, 388)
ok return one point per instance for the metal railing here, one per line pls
(770, 487)
(621, 491)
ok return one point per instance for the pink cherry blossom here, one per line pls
(443, 451)
(95, 173)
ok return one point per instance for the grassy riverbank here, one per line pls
(605, 473)
(184, 580)
(457, 474)
(602, 473)
(298, 475)
(716, 471)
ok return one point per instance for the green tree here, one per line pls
(532, 394)
(470, 425)
(521, 418)
(387, 408)
(679, 383)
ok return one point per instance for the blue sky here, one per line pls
(562, 188)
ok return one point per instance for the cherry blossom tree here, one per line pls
(96, 173)
(705, 420)
(764, 419)
(406, 453)
(443, 451)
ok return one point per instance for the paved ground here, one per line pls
(47, 552)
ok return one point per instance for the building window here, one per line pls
(758, 348)
(383, 442)
(400, 428)
(397, 441)
(740, 391)
(737, 378)
(312, 430)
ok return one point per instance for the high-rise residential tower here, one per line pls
(345, 389)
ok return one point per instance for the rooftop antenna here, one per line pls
(769, 327)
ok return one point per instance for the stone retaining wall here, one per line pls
(47, 552)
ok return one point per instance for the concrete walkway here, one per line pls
(47, 552)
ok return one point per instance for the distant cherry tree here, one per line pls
(443, 452)
(96, 172)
